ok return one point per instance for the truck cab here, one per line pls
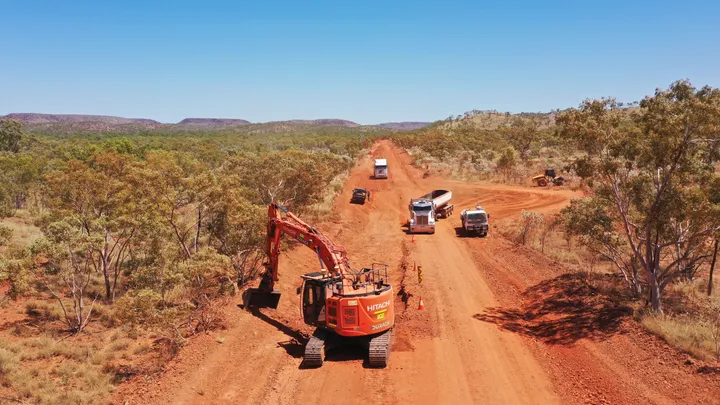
(422, 218)
(381, 169)
(475, 221)
(426, 210)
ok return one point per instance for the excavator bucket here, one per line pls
(257, 298)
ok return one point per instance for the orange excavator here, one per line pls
(347, 305)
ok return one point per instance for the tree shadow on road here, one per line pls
(562, 311)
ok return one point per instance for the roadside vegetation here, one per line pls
(489, 145)
(651, 211)
(117, 248)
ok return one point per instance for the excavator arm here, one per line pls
(332, 258)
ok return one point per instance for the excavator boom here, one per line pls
(333, 258)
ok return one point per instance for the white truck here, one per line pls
(381, 169)
(425, 211)
(475, 221)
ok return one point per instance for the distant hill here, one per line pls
(404, 126)
(79, 124)
(33, 118)
(213, 121)
(326, 121)
(493, 120)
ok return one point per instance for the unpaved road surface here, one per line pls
(464, 347)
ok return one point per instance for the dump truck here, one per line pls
(381, 169)
(424, 211)
(475, 221)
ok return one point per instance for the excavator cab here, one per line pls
(315, 289)
(313, 301)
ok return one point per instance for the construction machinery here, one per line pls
(347, 305)
(381, 169)
(360, 196)
(542, 180)
(424, 211)
(475, 221)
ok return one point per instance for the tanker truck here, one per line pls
(425, 211)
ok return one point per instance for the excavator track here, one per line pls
(315, 350)
(380, 349)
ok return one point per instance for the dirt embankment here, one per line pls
(500, 325)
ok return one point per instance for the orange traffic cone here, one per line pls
(421, 306)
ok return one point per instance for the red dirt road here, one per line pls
(458, 350)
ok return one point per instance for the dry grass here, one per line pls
(692, 319)
(556, 247)
(44, 370)
(29, 370)
(687, 333)
(24, 232)
(8, 361)
(142, 348)
(694, 296)
(323, 208)
(119, 345)
(43, 311)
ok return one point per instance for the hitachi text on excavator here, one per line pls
(347, 305)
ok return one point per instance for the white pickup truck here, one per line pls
(475, 221)
(425, 211)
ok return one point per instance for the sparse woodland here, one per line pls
(490, 146)
(651, 211)
(132, 239)
(118, 247)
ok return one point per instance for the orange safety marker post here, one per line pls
(413, 239)
(421, 306)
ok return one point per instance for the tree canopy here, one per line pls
(653, 177)
(10, 135)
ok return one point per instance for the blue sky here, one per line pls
(367, 61)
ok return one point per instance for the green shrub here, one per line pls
(139, 307)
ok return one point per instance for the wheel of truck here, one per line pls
(542, 182)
